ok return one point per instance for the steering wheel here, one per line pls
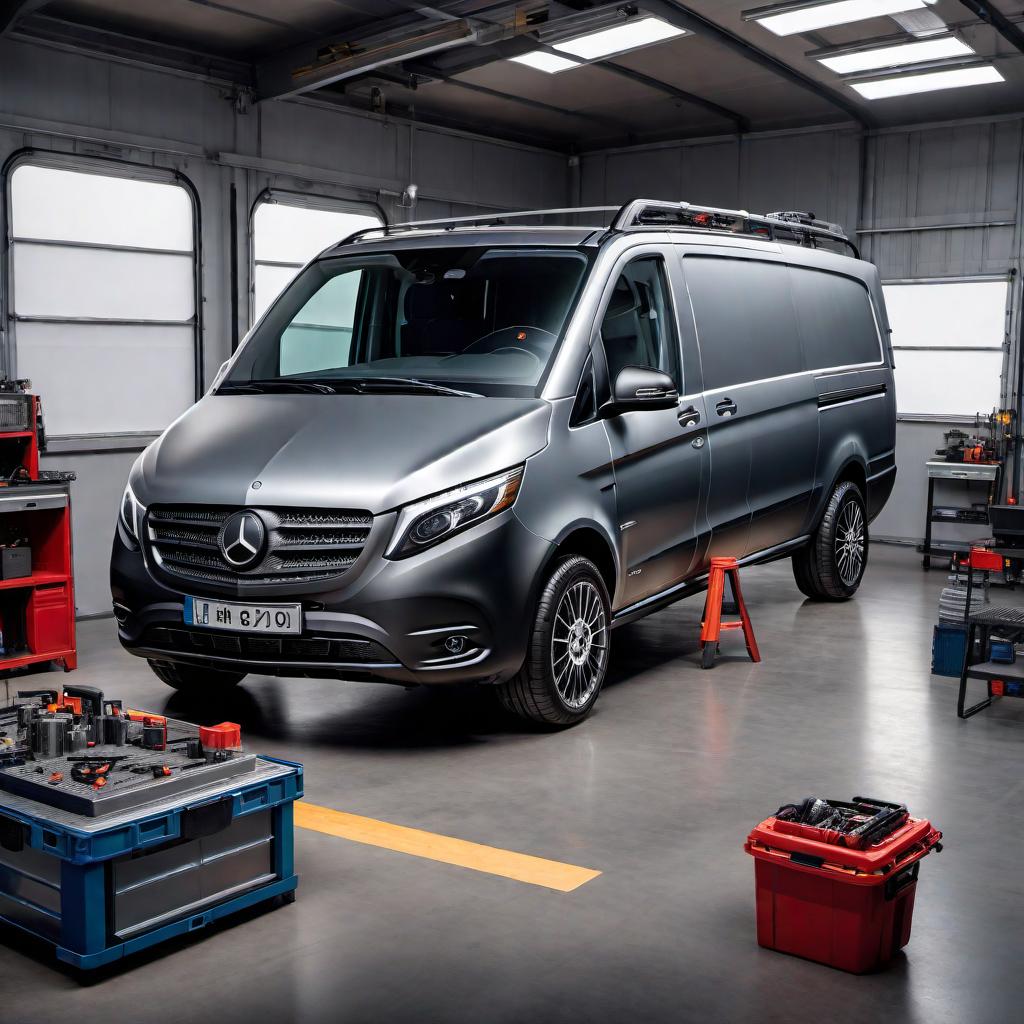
(531, 341)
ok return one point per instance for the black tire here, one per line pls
(551, 688)
(194, 678)
(831, 566)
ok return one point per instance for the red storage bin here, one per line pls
(847, 908)
(49, 619)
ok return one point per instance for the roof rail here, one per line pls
(450, 223)
(783, 226)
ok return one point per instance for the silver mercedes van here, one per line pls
(467, 450)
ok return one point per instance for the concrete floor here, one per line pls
(657, 790)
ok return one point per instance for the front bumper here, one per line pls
(387, 620)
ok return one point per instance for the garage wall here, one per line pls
(57, 101)
(939, 201)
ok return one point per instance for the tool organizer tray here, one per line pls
(101, 888)
(124, 789)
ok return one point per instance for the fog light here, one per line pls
(456, 644)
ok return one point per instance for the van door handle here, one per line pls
(726, 407)
(689, 417)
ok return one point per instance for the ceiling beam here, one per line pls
(11, 11)
(133, 50)
(509, 48)
(304, 69)
(682, 17)
(999, 21)
(525, 101)
(350, 52)
(739, 121)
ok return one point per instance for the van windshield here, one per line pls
(473, 320)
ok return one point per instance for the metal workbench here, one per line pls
(969, 472)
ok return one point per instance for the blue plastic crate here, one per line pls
(948, 646)
(61, 883)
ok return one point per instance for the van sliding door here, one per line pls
(762, 406)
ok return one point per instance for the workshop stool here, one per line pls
(711, 622)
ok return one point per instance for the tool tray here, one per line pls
(123, 789)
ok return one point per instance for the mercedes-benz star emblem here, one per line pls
(241, 539)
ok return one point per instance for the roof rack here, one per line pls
(450, 223)
(783, 226)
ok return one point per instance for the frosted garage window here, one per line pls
(287, 236)
(948, 341)
(103, 298)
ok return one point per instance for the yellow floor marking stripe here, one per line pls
(551, 874)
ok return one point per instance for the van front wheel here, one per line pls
(567, 657)
(832, 565)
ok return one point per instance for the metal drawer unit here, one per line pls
(100, 889)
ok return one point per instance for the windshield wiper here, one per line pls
(260, 387)
(407, 384)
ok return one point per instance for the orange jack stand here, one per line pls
(711, 623)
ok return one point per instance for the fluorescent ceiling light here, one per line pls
(901, 53)
(543, 61)
(904, 85)
(808, 19)
(628, 36)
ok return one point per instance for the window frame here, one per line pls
(787, 263)
(305, 201)
(871, 364)
(109, 168)
(603, 381)
(955, 418)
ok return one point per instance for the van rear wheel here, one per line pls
(194, 678)
(831, 566)
(567, 658)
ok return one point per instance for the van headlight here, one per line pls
(428, 522)
(131, 513)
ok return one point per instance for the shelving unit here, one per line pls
(37, 612)
(967, 472)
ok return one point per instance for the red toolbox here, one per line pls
(824, 900)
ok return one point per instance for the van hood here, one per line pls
(372, 452)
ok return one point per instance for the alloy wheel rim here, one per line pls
(849, 543)
(579, 644)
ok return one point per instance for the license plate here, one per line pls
(243, 618)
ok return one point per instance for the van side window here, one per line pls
(836, 323)
(746, 325)
(639, 328)
(584, 409)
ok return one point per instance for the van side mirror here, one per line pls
(641, 387)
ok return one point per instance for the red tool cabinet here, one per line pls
(37, 612)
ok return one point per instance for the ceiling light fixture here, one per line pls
(630, 35)
(544, 61)
(790, 19)
(905, 85)
(895, 56)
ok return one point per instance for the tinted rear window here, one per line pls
(836, 323)
(746, 325)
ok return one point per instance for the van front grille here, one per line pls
(302, 545)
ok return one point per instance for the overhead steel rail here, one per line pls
(789, 226)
